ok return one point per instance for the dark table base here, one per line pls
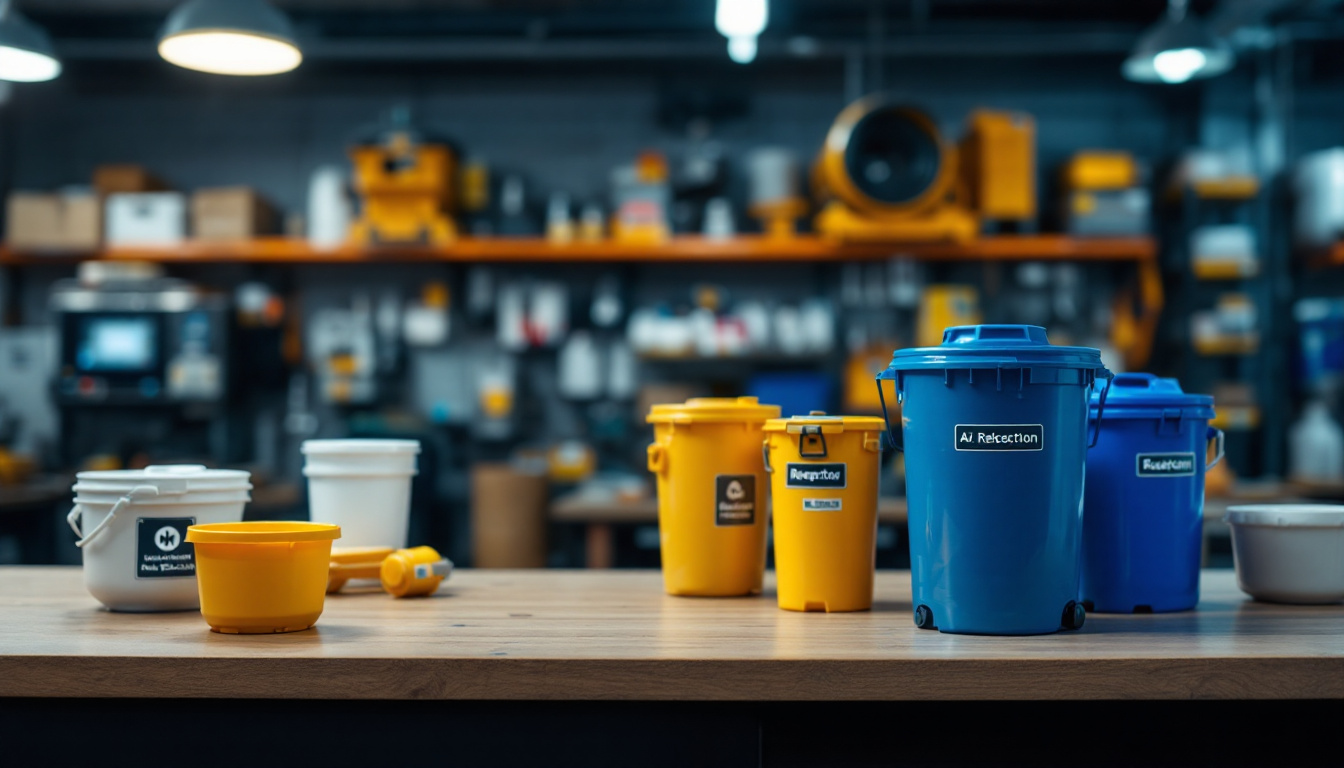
(594, 734)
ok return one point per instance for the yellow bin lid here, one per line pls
(261, 532)
(701, 410)
(828, 425)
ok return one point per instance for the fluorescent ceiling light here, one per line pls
(741, 21)
(1178, 48)
(229, 37)
(26, 52)
(742, 49)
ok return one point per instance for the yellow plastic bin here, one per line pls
(706, 455)
(824, 476)
(262, 577)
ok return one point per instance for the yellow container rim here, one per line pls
(828, 424)
(712, 409)
(261, 532)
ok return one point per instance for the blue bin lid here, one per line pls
(995, 346)
(1145, 396)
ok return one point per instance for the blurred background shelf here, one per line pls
(279, 250)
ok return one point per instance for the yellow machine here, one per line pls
(406, 188)
(886, 173)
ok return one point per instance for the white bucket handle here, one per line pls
(132, 496)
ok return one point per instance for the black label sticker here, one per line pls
(815, 475)
(735, 500)
(1164, 464)
(999, 437)
(162, 549)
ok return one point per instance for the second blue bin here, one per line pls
(1143, 513)
(995, 438)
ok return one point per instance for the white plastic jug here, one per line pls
(1316, 446)
(132, 529)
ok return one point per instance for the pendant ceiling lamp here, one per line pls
(741, 21)
(26, 53)
(1178, 48)
(229, 37)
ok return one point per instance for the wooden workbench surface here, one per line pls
(551, 635)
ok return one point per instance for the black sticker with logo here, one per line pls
(1164, 464)
(735, 500)
(999, 437)
(815, 475)
(162, 549)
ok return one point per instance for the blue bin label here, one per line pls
(735, 500)
(162, 548)
(815, 475)
(1164, 464)
(999, 437)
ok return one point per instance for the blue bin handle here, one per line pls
(1214, 434)
(896, 445)
(1101, 408)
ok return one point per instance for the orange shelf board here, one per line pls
(1226, 270)
(679, 249)
(1231, 188)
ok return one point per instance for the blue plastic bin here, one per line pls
(995, 439)
(1143, 512)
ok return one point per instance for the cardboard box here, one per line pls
(231, 213)
(54, 222)
(148, 218)
(124, 178)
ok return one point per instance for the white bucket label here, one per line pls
(735, 500)
(1164, 464)
(162, 549)
(815, 475)
(823, 505)
(999, 437)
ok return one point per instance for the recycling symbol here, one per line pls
(167, 538)
(734, 491)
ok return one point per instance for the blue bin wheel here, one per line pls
(1074, 615)
(924, 617)
(1089, 605)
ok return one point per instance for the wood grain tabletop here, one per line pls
(613, 635)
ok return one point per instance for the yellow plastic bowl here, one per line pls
(263, 577)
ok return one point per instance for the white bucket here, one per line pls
(132, 528)
(1289, 553)
(364, 486)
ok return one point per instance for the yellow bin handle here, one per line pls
(657, 458)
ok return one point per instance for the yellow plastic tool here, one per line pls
(262, 577)
(414, 572)
(403, 572)
(706, 456)
(355, 563)
(824, 476)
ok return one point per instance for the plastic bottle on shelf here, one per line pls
(1316, 446)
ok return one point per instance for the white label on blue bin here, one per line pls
(823, 505)
(1164, 464)
(999, 437)
(815, 475)
(162, 549)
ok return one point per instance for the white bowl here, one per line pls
(1289, 553)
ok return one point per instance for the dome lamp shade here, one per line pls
(229, 37)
